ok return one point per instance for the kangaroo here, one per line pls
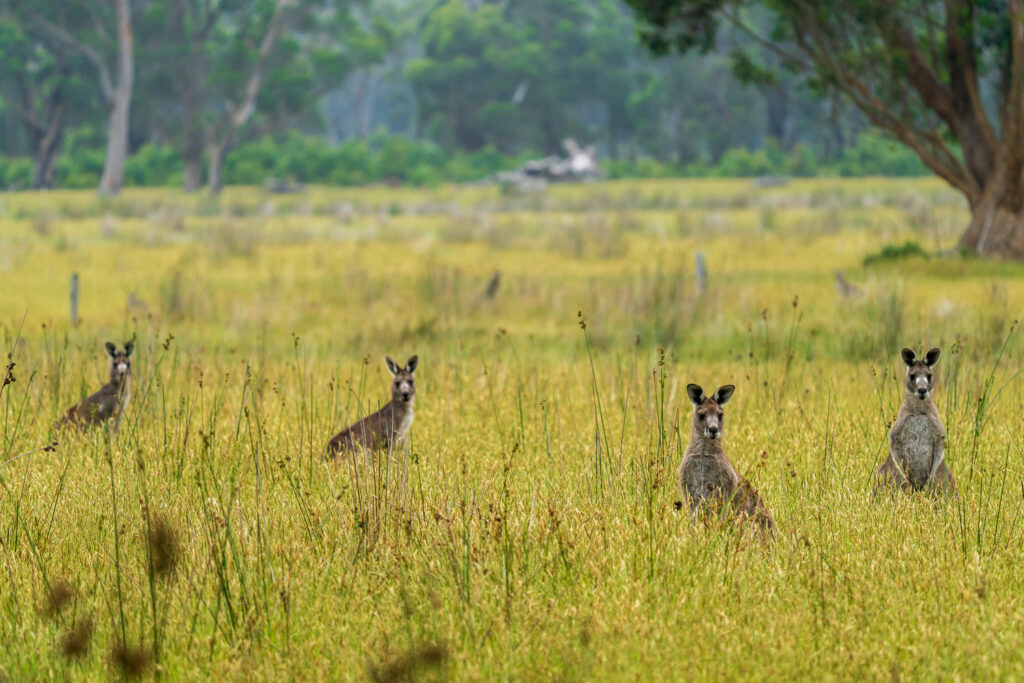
(917, 439)
(706, 476)
(389, 425)
(111, 400)
(846, 289)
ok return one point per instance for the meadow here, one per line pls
(530, 527)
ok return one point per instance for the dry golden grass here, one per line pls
(529, 530)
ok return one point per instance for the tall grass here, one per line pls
(529, 526)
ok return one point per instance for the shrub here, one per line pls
(896, 252)
(398, 158)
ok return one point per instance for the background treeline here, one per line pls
(410, 91)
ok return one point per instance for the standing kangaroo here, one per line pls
(110, 401)
(706, 476)
(389, 425)
(917, 439)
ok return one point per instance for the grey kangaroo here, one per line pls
(706, 476)
(389, 425)
(110, 401)
(917, 440)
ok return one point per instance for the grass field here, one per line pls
(529, 530)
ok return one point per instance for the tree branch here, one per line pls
(1013, 125)
(90, 53)
(240, 114)
(928, 145)
(977, 135)
(920, 74)
(764, 42)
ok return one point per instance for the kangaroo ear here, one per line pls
(129, 346)
(411, 365)
(909, 357)
(723, 394)
(392, 365)
(932, 357)
(111, 349)
(696, 394)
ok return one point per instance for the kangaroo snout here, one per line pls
(712, 431)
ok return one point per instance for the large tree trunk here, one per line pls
(120, 102)
(192, 150)
(215, 179)
(193, 174)
(46, 140)
(117, 146)
(45, 160)
(997, 220)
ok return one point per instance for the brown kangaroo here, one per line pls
(111, 400)
(706, 476)
(389, 425)
(917, 440)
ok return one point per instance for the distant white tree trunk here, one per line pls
(118, 95)
(119, 100)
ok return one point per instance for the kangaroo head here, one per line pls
(708, 416)
(403, 388)
(120, 361)
(919, 372)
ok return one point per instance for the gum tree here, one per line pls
(945, 78)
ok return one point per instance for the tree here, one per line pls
(35, 81)
(465, 83)
(918, 71)
(218, 71)
(104, 37)
(42, 83)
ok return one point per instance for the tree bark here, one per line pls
(997, 219)
(45, 157)
(45, 134)
(193, 175)
(120, 103)
(192, 146)
(215, 179)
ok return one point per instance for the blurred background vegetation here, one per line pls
(403, 91)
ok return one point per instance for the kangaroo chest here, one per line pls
(704, 478)
(403, 424)
(917, 441)
(125, 395)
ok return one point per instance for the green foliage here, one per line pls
(403, 160)
(916, 72)
(896, 252)
(871, 155)
(743, 163)
(15, 173)
(875, 154)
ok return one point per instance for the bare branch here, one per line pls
(241, 113)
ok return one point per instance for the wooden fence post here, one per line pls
(74, 299)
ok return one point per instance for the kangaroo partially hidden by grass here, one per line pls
(708, 479)
(389, 425)
(110, 401)
(917, 440)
